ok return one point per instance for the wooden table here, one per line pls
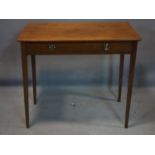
(78, 38)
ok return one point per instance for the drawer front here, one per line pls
(79, 48)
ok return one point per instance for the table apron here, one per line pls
(50, 48)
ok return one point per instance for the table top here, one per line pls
(78, 31)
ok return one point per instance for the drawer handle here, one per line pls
(52, 46)
(106, 47)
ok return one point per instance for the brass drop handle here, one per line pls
(52, 46)
(106, 47)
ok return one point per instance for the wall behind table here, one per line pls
(72, 70)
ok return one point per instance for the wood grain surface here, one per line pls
(78, 31)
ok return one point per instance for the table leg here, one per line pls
(121, 68)
(33, 61)
(130, 85)
(25, 84)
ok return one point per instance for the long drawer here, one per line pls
(79, 47)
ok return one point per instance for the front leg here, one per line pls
(130, 84)
(25, 82)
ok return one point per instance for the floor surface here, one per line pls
(76, 110)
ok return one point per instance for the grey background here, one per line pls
(88, 82)
(72, 70)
